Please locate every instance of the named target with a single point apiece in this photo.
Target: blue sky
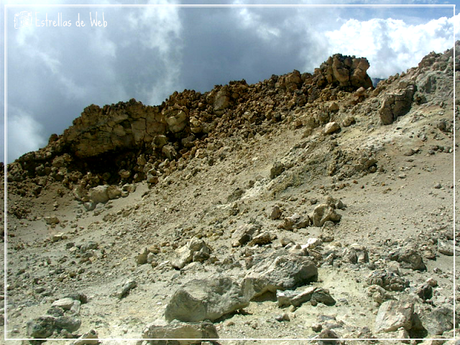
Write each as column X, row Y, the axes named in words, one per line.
column 148, row 52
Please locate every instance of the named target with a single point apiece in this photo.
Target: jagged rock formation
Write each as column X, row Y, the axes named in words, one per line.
column 127, row 141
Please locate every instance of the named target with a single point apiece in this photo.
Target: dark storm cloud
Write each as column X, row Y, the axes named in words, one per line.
column 239, row 43
column 147, row 53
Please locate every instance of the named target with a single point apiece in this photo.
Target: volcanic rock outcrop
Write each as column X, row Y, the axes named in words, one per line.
column 127, row 141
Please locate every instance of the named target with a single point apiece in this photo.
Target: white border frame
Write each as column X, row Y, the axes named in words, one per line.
column 5, row 133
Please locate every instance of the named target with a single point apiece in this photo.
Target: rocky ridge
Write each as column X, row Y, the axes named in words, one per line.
column 305, row 206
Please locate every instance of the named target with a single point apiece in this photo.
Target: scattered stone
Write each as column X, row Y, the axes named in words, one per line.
column 244, row 234
column 77, row 296
column 317, row 327
column 88, row 338
column 378, row 294
column 331, row 127
column 313, row 294
column 58, row 237
column 126, row 289
column 262, row 239
column 438, row 321
column 324, row 213
column 394, row 314
column 42, row 327
column 195, row 251
column 333, row 107
column 236, row 195
column 321, row 295
column 277, row 169
column 51, row 220
column 276, row 213
column 124, row 174
column 295, row 221
column 408, row 257
column 141, row 258
column 356, row 253
column 69, row 323
column 390, row 281
column 282, row 317
column 348, row 121
column 113, row 192
column 98, row 194
column 64, row 303
column 328, row 335
column 446, row 247
column 206, row 299
column 425, row 291
column 180, row 330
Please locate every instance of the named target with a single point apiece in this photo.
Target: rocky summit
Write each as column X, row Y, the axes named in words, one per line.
column 306, row 208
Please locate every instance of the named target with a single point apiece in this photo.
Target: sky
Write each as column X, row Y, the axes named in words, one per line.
column 148, row 51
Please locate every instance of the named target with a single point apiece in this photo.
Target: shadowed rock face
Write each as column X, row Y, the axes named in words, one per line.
column 102, row 138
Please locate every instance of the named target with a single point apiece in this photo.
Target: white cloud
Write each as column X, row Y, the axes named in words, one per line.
column 253, row 21
column 391, row 45
column 24, row 133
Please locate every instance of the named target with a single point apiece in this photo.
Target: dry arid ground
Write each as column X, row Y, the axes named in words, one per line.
column 306, row 206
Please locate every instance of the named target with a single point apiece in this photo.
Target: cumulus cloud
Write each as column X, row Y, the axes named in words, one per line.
column 391, row 45
column 24, row 133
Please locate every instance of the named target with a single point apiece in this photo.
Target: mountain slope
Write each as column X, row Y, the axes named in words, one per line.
column 236, row 187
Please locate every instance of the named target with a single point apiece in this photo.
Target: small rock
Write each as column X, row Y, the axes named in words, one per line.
column 126, row 288
column 262, row 239
column 98, row 194
column 331, row 127
column 69, row 323
column 425, row 291
column 180, row 330
column 408, row 257
column 317, row 327
column 323, row 213
column 390, row 281
column 276, row 213
column 244, row 234
column 321, row 295
column 58, row 237
column 446, row 247
column 124, row 174
column 282, row 317
column 42, row 327
column 378, row 294
column 277, row 169
column 141, row 258
column 328, row 334
column 356, row 253
column 51, row 220
column 88, row 338
column 195, row 251
column 348, row 121
column 333, row 107
column 64, row 303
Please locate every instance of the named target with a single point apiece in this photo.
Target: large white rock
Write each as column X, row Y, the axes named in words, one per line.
column 281, row 273
column 393, row 315
column 206, row 299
